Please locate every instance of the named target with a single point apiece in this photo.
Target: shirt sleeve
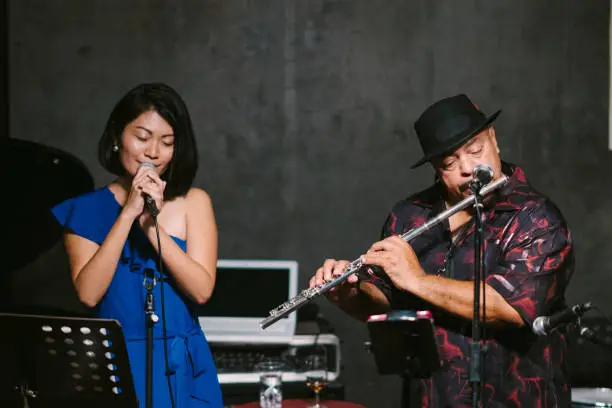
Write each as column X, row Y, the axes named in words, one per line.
column 80, row 217
column 535, row 264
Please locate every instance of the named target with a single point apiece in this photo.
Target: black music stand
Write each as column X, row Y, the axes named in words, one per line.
column 48, row 361
column 404, row 343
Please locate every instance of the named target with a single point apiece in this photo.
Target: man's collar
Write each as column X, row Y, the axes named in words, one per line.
column 516, row 192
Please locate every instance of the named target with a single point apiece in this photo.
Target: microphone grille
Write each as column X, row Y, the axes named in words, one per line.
column 483, row 172
column 483, row 167
column 538, row 326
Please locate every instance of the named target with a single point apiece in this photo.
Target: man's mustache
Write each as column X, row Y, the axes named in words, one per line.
column 465, row 186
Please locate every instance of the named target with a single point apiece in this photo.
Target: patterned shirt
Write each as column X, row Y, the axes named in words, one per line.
column 528, row 260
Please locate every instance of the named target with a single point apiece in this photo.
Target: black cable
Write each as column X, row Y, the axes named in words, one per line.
column 483, row 281
column 163, row 311
column 603, row 314
column 318, row 347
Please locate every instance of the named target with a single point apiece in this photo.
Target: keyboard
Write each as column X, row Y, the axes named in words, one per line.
column 305, row 354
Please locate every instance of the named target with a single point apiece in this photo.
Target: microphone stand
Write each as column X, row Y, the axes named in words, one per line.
column 476, row 350
column 150, row 319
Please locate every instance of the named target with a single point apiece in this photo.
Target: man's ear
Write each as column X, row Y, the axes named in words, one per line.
column 493, row 138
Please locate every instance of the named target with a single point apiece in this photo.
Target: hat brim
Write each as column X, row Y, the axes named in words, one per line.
column 459, row 140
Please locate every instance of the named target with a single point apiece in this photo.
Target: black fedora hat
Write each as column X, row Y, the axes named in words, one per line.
column 447, row 124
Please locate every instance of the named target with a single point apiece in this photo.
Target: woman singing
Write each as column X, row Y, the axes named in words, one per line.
column 112, row 244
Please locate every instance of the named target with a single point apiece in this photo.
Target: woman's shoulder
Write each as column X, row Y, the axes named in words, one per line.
column 197, row 202
column 182, row 210
column 198, row 196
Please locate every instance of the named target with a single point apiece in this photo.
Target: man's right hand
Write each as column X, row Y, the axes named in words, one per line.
column 329, row 271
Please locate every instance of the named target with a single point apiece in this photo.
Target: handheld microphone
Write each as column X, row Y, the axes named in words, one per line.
column 482, row 174
column 544, row 325
column 149, row 202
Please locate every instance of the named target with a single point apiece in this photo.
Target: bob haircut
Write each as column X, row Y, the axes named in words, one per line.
column 164, row 100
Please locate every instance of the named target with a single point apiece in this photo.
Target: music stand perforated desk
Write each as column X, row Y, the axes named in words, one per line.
column 49, row 361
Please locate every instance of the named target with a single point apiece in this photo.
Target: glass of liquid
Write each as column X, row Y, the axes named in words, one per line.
column 270, row 383
column 316, row 384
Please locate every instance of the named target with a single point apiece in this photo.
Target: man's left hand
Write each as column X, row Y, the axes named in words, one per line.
column 398, row 260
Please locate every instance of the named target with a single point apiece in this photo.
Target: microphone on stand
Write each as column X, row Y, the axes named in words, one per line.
column 149, row 307
column 482, row 174
column 150, row 205
column 149, row 202
column 544, row 325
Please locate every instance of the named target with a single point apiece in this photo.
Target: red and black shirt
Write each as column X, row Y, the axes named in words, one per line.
column 529, row 261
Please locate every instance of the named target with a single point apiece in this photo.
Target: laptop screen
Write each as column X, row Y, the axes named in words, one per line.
column 245, row 291
column 258, row 289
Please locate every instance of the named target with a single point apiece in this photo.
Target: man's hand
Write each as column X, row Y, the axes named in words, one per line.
column 398, row 260
column 330, row 270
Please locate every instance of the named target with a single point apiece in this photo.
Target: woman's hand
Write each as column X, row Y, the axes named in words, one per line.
column 153, row 186
column 134, row 204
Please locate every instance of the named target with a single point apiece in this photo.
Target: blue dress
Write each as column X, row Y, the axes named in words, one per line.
column 194, row 380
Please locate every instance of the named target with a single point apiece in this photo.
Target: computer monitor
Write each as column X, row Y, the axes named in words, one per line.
column 245, row 291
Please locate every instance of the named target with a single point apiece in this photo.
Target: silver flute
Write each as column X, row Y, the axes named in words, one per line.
column 307, row 295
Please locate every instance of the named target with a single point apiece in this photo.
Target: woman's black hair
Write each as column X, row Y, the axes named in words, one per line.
column 164, row 100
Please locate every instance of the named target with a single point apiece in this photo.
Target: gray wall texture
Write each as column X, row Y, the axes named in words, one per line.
column 304, row 112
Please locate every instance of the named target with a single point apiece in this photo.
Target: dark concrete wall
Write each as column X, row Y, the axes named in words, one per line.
column 4, row 76
column 304, row 112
